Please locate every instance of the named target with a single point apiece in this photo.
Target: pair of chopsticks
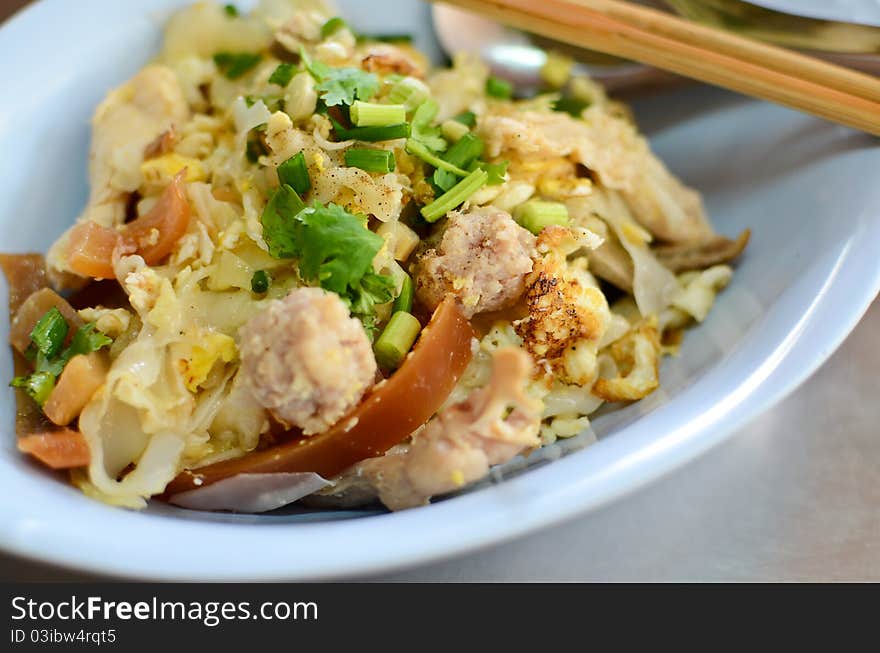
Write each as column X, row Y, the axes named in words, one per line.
column 704, row 53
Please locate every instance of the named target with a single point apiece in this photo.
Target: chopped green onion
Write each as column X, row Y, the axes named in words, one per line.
column 453, row 130
column 534, row 215
column 396, row 340
column 370, row 159
column 283, row 74
column 295, row 173
column 49, row 332
column 370, row 114
column 464, row 152
column 468, row 118
column 38, row 385
column 455, row 196
column 418, row 149
column 391, row 38
column 233, row 65
column 499, row 88
column 572, row 106
column 260, row 282
column 467, row 149
column 404, row 300
column 410, row 92
column 231, row 10
column 47, row 340
column 372, row 134
column 556, row 70
column 332, row 26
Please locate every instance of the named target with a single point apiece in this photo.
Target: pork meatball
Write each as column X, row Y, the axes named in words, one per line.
column 483, row 258
column 307, row 360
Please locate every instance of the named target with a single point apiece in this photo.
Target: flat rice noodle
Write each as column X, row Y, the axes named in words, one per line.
column 612, row 263
column 393, row 410
column 698, row 256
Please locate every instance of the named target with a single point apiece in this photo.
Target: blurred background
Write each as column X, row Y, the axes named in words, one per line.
column 795, row 496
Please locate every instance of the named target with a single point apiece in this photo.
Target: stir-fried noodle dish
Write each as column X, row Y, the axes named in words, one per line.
column 314, row 268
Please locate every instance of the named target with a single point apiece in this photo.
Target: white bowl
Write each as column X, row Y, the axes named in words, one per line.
column 803, row 186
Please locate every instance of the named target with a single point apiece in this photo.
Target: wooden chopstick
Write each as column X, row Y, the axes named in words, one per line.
column 757, row 52
column 706, row 54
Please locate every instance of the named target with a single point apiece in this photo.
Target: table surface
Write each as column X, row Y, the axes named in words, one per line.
column 794, row 496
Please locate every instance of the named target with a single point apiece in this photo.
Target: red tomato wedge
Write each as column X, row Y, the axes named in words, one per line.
column 61, row 449
column 153, row 235
column 389, row 414
column 90, row 250
column 80, row 379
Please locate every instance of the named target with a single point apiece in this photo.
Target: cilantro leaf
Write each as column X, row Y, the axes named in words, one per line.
column 235, row 64
column 335, row 251
column 336, row 248
column 422, row 131
column 38, row 385
column 53, row 366
column 497, row 172
column 372, row 290
column 347, row 85
column 283, row 74
column 86, row 340
column 279, row 226
column 340, row 85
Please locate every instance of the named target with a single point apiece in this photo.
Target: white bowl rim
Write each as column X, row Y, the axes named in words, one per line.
column 473, row 520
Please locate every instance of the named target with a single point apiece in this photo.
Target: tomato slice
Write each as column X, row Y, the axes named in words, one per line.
column 155, row 233
column 90, row 250
column 80, row 379
column 61, row 449
column 393, row 410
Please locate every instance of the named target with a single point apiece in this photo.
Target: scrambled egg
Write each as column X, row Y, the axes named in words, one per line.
column 211, row 348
